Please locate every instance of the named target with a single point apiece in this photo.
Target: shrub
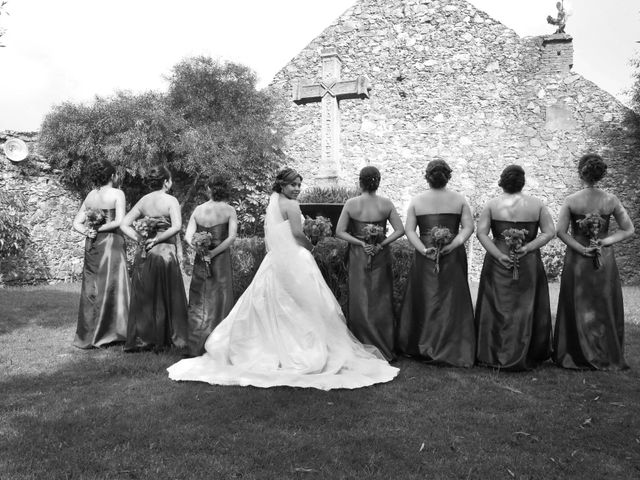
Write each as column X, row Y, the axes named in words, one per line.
column 334, row 194
column 14, row 233
column 553, row 258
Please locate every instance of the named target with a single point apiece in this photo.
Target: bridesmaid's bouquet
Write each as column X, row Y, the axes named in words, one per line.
column 94, row 219
column 440, row 236
column 372, row 234
column 148, row 227
column 591, row 225
column 316, row 229
column 514, row 238
column 202, row 241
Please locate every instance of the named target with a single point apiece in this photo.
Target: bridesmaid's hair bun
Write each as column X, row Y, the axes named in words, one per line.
column 438, row 173
column 156, row 177
column 100, row 172
column 369, row 179
column 284, row 178
column 512, row 179
column 219, row 188
column 591, row 167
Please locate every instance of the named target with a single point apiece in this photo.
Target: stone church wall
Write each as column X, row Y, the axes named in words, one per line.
column 54, row 252
column 449, row 81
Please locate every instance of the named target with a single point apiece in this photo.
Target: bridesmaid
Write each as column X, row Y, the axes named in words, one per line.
column 436, row 319
column 211, row 290
column 371, row 318
column 513, row 317
column 589, row 330
column 158, row 310
column 104, row 298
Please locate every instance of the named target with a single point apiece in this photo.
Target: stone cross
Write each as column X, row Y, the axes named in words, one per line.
column 329, row 91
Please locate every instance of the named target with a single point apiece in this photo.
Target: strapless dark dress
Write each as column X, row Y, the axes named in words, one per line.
column 513, row 317
column 158, row 310
column 371, row 318
column 589, row 330
column 211, row 291
column 436, row 319
column 104, row 298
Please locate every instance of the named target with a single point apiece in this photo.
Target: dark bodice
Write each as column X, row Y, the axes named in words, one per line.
column 218, row 233
column 356, row 228
column 581, row 235
column 109, row 213
column 427, row 222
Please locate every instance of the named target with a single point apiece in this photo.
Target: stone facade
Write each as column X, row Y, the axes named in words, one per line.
column 54, row 252
column 449, row 81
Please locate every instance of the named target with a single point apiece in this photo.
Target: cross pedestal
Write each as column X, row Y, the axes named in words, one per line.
column 329, row 91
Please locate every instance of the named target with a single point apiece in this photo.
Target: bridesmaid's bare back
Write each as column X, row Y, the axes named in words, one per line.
column 211, row 214
column 157, row 204
column 369, row 208
column 515, row 208
column 438, row 201
column 104, row 198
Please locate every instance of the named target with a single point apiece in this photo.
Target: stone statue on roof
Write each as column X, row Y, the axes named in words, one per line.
column 561, row 20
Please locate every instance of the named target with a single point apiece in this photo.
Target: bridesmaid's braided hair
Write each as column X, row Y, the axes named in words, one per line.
column 512, row 179
column 437, row 173
column 156, row 177
column 369, row 179
column 285, row 177
column 591, row 167
column 100, row 172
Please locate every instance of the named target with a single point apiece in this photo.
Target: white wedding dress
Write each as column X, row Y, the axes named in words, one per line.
column 286, row 329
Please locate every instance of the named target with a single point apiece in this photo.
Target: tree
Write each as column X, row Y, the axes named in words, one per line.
column 211, row 121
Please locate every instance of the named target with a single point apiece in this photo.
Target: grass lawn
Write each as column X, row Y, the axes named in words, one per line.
column 102, row 414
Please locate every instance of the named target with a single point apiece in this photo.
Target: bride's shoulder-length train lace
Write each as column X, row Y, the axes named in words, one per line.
column 286, row 329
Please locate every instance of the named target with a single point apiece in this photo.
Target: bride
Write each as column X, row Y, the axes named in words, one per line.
column 287, row 328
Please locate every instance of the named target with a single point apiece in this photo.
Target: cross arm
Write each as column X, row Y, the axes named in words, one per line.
column 305, row 92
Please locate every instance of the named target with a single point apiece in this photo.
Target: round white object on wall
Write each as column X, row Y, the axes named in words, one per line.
column 15, row 149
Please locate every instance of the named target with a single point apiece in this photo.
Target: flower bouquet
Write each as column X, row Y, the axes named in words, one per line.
column 94, row 219
column 514, row 239
column 202, row 241
column 317, row 228
column 372, row 234
column 591, row 225
column 441, row 236
column 148, row 227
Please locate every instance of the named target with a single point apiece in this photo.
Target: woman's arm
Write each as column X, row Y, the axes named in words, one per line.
column 410, row 230
column 129, row 218
column 78, row 223
column 176, row 224
column 191, row 229
column 343, row 224
column 120, row 211
column 625, row 226
column 482, row 233
column 547, row 232
column 562, row 230
column 233, row 232
column 294, row 214
column 398, row 229
column 466, row 222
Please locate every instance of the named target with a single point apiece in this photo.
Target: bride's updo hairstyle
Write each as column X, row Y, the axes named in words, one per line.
column 591, row 168
column 512, row 179
column 100, row 173
column 219, row 188
column 369, row 179
column 284, row 178
column 438, row 173
column 156, row 177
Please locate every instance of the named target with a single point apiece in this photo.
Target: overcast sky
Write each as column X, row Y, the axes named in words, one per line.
column 59, row 50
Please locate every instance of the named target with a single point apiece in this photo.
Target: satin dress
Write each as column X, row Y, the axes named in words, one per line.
column 287, row 328
column 210, row 292
column 589, row 330
column 158, row 310
column 104, row 298
column 436, row 319
column 371, row 318
column 513, row 317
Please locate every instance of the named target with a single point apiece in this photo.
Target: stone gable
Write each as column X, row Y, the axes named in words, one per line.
column 449, row 81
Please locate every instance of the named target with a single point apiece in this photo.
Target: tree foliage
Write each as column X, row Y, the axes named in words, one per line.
column 14, row 234
column 211, row 121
